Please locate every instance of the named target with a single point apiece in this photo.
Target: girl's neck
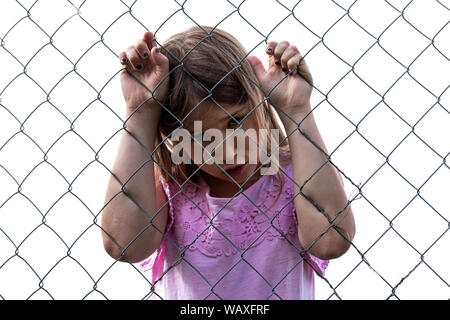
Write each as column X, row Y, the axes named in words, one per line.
column 219, row 188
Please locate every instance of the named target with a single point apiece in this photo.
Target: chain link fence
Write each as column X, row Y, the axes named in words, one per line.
column 380, row 97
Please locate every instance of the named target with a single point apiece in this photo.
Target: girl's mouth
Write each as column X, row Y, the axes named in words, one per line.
column 237, row 170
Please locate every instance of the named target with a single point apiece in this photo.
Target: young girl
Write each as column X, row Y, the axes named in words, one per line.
column 215, row 230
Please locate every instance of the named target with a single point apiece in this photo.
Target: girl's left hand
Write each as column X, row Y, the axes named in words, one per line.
column 292, row 92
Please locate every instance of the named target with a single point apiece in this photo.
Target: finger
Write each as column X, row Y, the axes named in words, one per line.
column 303, row 70
column 294, row 61
column 123, row 58
column 270, row 48
column 279, row 49
column 288, row 54
column 134, row 58
column 142, row 49
column 257, row 67
column 161, row 62
column 149, row 40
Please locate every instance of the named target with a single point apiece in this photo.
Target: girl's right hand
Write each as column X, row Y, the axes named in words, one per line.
column 144, row 62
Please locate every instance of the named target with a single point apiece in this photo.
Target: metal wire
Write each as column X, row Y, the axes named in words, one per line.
column 347, row 13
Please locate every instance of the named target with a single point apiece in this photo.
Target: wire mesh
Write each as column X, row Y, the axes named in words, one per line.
column 380, row 67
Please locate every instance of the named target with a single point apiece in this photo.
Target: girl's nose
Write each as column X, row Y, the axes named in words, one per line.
column 235, row 150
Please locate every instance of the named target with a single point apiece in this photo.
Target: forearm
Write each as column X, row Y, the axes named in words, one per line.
column 130, row 201
column 321, row 183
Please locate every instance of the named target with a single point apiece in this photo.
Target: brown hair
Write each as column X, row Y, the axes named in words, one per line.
column 207, row 54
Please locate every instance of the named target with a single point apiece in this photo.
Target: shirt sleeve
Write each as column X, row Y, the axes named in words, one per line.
column 155, row 262
column 171, row 192
column 318, row 265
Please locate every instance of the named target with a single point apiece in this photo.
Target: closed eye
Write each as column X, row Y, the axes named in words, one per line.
column 233, row 123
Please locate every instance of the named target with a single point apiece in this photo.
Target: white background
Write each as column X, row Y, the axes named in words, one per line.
column 72, row 118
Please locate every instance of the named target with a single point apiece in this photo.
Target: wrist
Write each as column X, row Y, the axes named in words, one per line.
column 141, row 106
column 144, row 131
column 142, row 120
column 293, row 116
column 145, row 112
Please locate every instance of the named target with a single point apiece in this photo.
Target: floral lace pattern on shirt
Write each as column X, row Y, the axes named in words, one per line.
column 226, row 232
column 239, row 225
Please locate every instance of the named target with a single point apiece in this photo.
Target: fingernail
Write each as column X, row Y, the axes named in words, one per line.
column 278, row 63
column 157, row 50
column 145, row 54
column 269, row 50
column 124, row 60
column 139, row 67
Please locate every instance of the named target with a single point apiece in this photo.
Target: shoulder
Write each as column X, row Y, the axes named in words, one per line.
column 181, row 193
column 285, row 168
column 285, row 161
column 173, row 185
column 285, row 157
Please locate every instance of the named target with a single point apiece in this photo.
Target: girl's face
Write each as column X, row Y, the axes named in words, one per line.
column 232, row 155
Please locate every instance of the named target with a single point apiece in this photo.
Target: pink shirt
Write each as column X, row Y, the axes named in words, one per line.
column 238, row 254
